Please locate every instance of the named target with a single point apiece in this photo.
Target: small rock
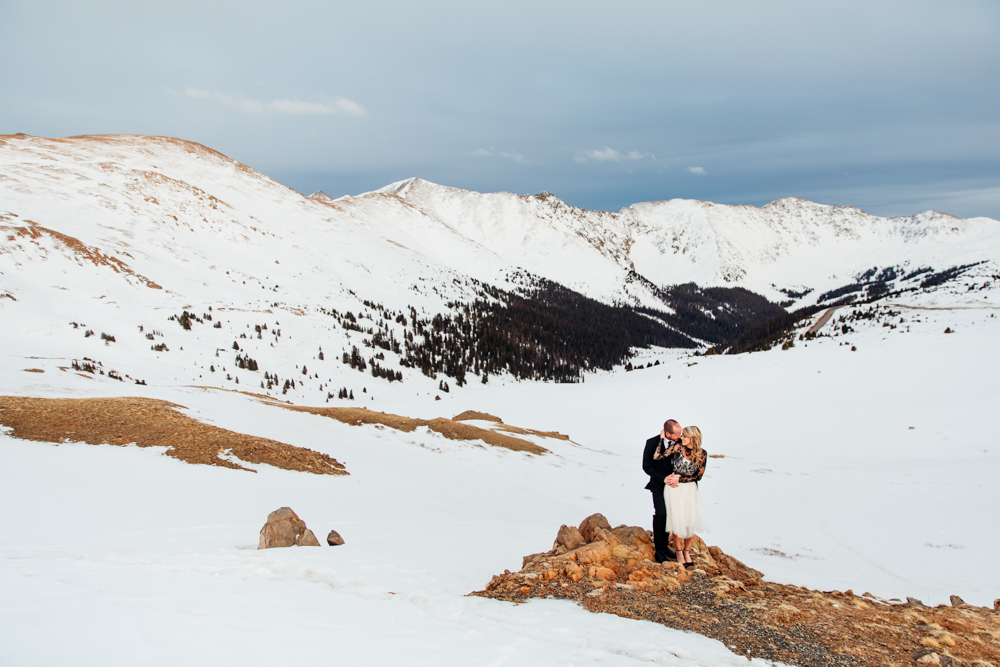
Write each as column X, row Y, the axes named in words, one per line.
column 913, row 602
column 956, row 601
column 569, row 537
column 605, row 573
column 996, row 605
column 929, row 659
column 307, row 539
column 334, row 539
column 574, row 571
column 590, row 525
column 948, row 330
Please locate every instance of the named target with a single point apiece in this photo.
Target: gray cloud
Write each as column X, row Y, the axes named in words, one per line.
column 611, row 155
column 510, row 155
column 872, row 104
column 339, row 105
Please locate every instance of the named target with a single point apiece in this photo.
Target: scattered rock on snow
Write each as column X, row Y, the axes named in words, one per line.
column 307, row 539
column 284, row 528
column 334, row 539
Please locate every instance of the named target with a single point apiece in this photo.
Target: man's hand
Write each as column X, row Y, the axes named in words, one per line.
column 672, row 480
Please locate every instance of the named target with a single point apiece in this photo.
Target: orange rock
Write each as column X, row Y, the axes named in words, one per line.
column 592, row 553
column 606, row 536
column 568, row 537
column 605, row 573
column 591, row 524
column 524, row 590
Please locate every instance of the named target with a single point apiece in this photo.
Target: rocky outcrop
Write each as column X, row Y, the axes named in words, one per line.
column 284, row 528
column 722, row 598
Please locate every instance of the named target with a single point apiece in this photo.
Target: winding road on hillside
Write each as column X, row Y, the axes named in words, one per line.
column 823, row 319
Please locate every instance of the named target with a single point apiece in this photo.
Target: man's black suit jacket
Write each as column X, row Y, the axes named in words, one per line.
column 657, row 470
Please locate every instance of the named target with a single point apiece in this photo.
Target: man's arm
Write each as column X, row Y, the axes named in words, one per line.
column 648, row 462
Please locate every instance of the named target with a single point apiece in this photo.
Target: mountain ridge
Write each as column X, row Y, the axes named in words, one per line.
column 452, row 280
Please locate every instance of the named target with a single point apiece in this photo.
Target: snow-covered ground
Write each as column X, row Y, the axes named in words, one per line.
column 871, row 470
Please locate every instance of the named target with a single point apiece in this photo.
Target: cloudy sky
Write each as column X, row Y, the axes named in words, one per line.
column 890, row 106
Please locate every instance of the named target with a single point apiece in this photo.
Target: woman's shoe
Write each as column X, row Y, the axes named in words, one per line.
column 687, row 558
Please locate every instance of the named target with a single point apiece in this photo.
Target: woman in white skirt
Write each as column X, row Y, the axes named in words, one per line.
column 685, row 512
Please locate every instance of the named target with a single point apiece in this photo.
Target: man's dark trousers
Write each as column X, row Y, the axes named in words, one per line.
column 657, row 471
column 661, row 540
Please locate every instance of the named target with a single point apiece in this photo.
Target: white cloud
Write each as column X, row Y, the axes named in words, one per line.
column 510, row 155
column 340, row 105
column 611, row 155
column 700, row 171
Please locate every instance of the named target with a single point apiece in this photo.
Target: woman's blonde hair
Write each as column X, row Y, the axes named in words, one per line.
column 694, row 433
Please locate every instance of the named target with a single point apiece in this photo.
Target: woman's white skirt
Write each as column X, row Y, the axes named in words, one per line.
column 685, row 513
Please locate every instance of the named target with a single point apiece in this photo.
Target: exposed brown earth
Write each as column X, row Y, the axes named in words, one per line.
column 484, row 416
column 470, row 415
column 449, row 428
column 81, row 251
column 152, row 423
column 722, row 598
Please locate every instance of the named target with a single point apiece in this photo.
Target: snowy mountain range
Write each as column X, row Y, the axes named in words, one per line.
column 142, row 229
column 179, row 214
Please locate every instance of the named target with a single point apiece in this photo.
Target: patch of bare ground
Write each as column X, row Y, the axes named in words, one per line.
column 152, row 423
column 34, row 232
column 722, row 598
column 449, row 428
column 469, row 415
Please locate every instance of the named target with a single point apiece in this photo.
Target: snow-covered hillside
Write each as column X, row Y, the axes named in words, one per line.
column 862, row 460
column 121, row 235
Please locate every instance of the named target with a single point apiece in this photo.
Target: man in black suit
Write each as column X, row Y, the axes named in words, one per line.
column 659, row 470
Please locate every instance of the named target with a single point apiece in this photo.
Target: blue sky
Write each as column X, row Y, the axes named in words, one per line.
column 893, row 107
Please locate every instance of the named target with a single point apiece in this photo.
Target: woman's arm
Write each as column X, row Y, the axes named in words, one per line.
column 671, row 450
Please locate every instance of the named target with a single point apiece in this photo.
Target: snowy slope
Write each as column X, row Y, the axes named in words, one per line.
column 130, row 557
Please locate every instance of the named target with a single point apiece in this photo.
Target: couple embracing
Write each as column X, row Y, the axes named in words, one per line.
column 675, row 463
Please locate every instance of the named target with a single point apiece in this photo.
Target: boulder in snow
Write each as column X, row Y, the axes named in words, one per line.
column 284, row 528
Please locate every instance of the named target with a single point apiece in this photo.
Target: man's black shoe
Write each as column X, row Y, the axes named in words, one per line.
column 670, row 555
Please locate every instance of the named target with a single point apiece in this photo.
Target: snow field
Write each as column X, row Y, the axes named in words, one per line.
column 134, row 558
